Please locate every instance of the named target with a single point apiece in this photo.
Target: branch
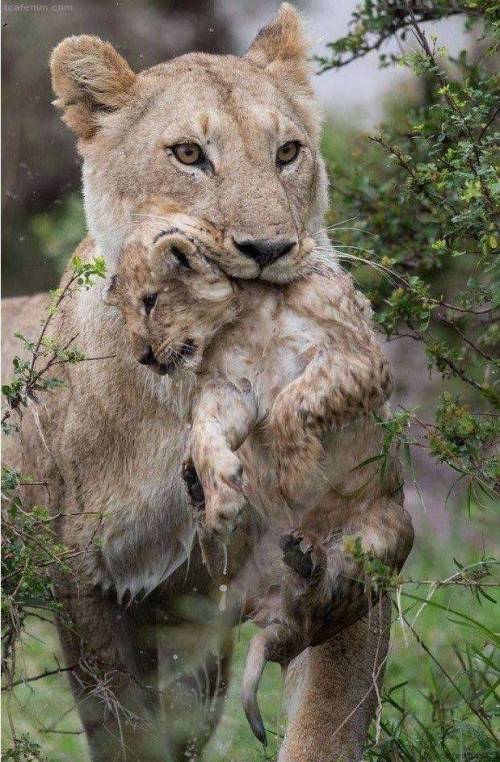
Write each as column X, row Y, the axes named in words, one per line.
column 399, row 23
column 488, row 123
column 422, row 39
column 465, row 338
column 48, row 319
column 47, row 673
column 470, row 311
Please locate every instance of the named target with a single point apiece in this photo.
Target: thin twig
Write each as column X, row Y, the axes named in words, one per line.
column 47, row 673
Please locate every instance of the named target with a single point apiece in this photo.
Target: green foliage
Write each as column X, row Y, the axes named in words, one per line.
column 374, row 22
column 41, row 356
column 25, row 750
column 414, row 215
column 30, row 551
column 425, row 201
column 376, row 575
column 461, row 438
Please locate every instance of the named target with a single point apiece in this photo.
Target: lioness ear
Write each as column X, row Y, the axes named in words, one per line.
column 281, row 48
column 88, row 77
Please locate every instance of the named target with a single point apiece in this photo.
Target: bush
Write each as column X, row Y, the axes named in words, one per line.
column 424, row 247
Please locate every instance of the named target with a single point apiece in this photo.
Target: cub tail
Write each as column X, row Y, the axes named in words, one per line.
column 274, row 643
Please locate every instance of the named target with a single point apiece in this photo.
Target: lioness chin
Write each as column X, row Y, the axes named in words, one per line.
column 234, row 141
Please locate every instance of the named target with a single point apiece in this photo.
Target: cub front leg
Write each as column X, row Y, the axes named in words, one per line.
column 332, row 391
column 224, row 415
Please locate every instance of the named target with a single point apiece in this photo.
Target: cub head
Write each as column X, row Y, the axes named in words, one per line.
column 232, row 140
column 172, row 297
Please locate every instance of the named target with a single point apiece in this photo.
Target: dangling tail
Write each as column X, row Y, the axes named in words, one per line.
column 274, row 643
column 254, row 667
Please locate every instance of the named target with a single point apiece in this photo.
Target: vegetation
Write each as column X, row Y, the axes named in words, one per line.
column 30, row 550
column 425, row 201
column 414, row 215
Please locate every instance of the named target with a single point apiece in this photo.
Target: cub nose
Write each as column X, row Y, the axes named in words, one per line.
column 264, row 251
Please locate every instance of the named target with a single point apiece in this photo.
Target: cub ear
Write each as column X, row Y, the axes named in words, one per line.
column 281, row 48
column 88, row 77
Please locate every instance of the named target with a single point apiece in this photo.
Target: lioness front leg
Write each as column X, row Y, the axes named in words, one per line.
column 223, row 416
column 332, row 391
column 332, row 692
column 111, row 652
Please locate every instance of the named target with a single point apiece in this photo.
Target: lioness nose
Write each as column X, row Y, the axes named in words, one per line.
column 264, row 250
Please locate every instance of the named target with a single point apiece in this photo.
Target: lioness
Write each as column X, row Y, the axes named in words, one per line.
column 234, row 141
column 286, row 379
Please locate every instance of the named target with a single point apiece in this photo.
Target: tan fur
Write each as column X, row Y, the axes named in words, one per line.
column 303, row 363
column 115, row 436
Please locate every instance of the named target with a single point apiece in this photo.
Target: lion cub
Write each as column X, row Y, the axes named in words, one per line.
column 285, row 384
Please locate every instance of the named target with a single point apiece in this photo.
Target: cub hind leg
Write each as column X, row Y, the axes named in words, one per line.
column 325, row 587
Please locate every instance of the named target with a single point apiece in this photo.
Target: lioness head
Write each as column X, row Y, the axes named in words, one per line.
column 231, row 140
column 172, row 296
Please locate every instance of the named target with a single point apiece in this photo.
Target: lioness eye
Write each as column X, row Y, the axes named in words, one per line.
column 287, row 152
column 188, row 153
column 149, row 302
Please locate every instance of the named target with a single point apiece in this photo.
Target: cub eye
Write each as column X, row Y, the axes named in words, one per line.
column 149, row 302
column 287, row 152
column 188, row 153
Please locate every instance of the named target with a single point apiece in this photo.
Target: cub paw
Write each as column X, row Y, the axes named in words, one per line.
column 217, row 492
column 225, row 500
column 303, row 554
